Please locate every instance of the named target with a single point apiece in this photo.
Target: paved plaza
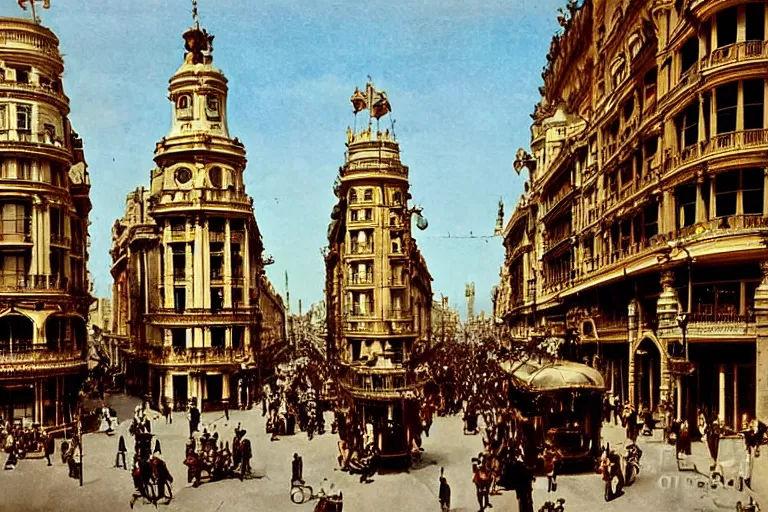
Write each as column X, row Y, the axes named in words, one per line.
column 33, row 486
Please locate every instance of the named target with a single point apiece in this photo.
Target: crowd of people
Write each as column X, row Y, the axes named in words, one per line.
column 18, row 441
column 214, row 457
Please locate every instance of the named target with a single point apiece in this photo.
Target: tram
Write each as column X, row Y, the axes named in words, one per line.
column 559, row 402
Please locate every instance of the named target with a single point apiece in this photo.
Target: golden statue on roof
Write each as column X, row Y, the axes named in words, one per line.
column 375, row 101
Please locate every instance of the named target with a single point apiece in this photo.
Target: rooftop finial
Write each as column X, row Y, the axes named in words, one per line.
column 194, row 14
column 35, row 18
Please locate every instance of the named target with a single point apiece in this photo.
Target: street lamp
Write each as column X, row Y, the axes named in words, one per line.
column 683, row 318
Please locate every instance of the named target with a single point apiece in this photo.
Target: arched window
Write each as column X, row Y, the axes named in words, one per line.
column 183, row 107
column 368, row 194
column 215, row 175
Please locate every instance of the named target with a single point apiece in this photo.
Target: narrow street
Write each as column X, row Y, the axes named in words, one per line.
column 109, row 488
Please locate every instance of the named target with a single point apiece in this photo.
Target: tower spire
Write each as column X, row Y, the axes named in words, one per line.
column 194, row 14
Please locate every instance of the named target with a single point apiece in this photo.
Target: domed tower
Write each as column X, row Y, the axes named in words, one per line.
column 44, row 208
column 378, row 286
column 211, row 310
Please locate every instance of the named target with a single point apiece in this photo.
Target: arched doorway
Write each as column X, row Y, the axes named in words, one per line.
column 648, row 374
column 16, row 333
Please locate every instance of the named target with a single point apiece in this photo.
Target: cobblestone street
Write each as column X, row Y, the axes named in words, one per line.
column 108, row 488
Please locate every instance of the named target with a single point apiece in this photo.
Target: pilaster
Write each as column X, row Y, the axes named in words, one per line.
column 761, row 346
column 198, row 267
column 227, row 266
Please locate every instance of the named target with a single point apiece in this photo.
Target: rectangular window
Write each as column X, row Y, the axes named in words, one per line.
column 651, row 220
column 726, row 189
column 24, row 117
column 3, row 117
column 353, row 215
column 726, row 27
column 725, row 104
column 212, row 108
column 368, row 214
column 755, row 30
column 752, row 184
column 686, row 205
column 180, row 300
column 689, row 54
column 691, row 124
column 179, row 338
column 754, row 99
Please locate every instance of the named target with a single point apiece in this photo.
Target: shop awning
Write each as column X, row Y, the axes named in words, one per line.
column 554, row 375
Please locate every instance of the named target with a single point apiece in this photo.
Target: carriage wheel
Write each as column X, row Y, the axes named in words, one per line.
column 168, row 491
column 151, row 491
column 300, row 494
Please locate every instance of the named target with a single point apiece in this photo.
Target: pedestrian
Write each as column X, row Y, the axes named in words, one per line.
column 245, row 454
column 445, row 493
column 49, row 446
column 10, row 449
column 194, row 419
column 226, row 411
column 157, row 447
column 121, row 451
column 297, row 470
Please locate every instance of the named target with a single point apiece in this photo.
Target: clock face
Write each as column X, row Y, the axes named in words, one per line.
column 183, row 175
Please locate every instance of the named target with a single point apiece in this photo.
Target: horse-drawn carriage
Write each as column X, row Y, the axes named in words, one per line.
column 213, row 463
column 301, row 494
column 150, row 473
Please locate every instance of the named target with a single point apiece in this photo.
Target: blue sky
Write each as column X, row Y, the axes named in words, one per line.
column 461, row 75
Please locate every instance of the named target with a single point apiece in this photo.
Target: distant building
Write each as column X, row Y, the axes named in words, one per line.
column 44, row 208
column 642, row 232
column 446, row 321
column 190, row 294
column 378, row 287
column 100, row 314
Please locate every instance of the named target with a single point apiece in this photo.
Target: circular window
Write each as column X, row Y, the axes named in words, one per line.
column 183, row 175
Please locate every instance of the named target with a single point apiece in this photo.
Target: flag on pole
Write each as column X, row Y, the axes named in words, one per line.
column 23, row 4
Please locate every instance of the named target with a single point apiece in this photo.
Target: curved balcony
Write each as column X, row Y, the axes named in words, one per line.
column 34, row 90
column 29, row 144
column 11, row 238
column 378, row 383
column 201, row 199
column 731, row 56
column 685, row 85
column 197, row 356
column 717, row 325
column 718, row 145
column 374, row 166
column 360, row 281
column 199, row 317
column 27, row 358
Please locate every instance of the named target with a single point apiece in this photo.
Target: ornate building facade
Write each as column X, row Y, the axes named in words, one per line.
column 642, row 231
column 191, row 298
column 378, row 287
column 44, row 208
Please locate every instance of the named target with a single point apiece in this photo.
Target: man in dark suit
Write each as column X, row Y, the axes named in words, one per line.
column 297, row 470
column 445, row 493
column 194, row 419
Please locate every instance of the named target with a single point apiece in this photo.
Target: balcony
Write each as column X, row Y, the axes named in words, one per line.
column 361, row 313
column 361, row 249
column 745, row 51
column 375, row 165
column 197, row 356
column 195, row 317
column 400, row 314
column 361, row 279
column 361, row 219
column 20, row 282
column 396, row 282
column 688, row 80
column 715, row 324
column 60, row 240
column 34, row 88
column 181, row 235
column 224, row 200
column 27, row 358
column 15, row 238
column 381, row 383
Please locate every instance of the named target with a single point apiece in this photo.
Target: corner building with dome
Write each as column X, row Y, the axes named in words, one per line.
column 196, row 316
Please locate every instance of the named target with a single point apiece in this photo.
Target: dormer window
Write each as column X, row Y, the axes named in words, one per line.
column 212, row 108
column 183, row 107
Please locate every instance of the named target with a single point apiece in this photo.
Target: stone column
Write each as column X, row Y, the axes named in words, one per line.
column 765, row 183
column 667, row 308
column 168, row 277
column 701, row 213
column 225, row 387
column 44, row 260
column 679, row 397
column 761, row 346
column 735, row 396
column 632, row 345
column 198, row 267
column 667, row 221
column 37, row 238
column 740, row 108
column 227, row 265
column 168, row 388
column 206, row 263
column 721, row 394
